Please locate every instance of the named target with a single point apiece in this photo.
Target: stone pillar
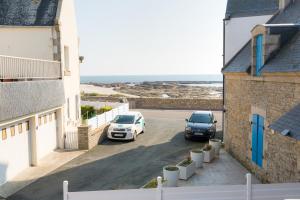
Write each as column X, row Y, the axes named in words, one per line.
column 33, row 124
column 60, row 128
column 83, row 137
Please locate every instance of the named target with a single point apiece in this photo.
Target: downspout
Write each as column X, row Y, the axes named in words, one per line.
column 224, row 63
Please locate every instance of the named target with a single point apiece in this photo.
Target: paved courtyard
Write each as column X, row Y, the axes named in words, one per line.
column 123, row 165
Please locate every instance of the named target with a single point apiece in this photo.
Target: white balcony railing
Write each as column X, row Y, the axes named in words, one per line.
column 28, row 68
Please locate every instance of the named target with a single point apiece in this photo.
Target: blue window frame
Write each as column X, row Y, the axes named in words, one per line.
column 259, row 54
column 257, row 139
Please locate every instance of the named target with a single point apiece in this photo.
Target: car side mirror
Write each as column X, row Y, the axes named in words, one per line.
column 186, row 120
column 137, row 122
column 215, row 121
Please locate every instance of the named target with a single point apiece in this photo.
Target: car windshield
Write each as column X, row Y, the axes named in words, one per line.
column 201, row 118
column 124, row 119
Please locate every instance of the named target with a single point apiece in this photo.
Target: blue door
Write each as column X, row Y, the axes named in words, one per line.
column 257, row 139
column 259, row 54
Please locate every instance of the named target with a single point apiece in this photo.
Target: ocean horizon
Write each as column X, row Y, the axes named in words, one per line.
column 150, row 78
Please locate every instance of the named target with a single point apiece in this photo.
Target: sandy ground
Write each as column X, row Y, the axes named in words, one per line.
column 102, row 90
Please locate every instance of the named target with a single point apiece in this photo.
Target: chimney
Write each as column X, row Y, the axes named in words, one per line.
column 283, row 4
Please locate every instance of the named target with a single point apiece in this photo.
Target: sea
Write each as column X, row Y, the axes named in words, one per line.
column 211, row 78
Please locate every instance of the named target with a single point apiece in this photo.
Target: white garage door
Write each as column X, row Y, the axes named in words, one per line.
column 14, row 150
column 46, row 135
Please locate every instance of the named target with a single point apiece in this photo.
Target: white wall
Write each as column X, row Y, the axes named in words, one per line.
column 69, row 38
column 30, row 42
column 14, row 152
column 238, row 33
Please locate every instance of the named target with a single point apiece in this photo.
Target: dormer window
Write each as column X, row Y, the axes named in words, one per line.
column 259, row 54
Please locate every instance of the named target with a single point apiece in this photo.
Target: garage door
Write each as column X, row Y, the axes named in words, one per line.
column 15, row 150
column 46, row 135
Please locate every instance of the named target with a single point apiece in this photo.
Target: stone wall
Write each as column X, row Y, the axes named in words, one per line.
column 88, row 138
column 168, row 103
column 270, row 98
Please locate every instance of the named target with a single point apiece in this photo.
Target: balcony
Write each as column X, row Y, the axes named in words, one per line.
column 14, row 68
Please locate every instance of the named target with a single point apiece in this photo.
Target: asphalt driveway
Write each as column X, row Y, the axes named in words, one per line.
column 120, row 165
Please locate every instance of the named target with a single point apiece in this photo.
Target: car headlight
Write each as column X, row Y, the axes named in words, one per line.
column 128, row 129
column 211, row 129
column 188, row 128
column 110, row 128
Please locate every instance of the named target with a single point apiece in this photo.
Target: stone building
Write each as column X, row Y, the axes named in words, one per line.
column 262, row 90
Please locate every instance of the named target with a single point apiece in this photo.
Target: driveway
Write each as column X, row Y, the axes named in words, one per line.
column 120, row 165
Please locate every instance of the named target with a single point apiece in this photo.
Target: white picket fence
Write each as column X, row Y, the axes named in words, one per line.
column 224, row 192
column 107, row 117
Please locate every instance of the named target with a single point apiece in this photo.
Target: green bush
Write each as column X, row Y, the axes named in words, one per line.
column 88, row 112
column 104, row 109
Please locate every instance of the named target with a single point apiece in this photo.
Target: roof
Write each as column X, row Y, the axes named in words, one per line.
column 245, row 8
column 289, row 122
column 282, row 60
column 28, row 12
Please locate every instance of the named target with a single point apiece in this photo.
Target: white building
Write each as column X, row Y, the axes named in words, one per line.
column 39, row 80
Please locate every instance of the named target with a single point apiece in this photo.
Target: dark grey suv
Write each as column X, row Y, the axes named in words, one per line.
column 201, row 125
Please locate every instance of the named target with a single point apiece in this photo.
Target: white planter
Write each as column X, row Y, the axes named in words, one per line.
column 208, row 155
column 216, row 144
column 186, row 172
column 171, row 176
column 197, row 157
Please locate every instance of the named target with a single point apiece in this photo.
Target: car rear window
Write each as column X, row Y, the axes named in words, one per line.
column 124, row 119
column 201, row 118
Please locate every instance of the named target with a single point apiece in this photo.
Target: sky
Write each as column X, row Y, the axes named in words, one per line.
column 150, row 37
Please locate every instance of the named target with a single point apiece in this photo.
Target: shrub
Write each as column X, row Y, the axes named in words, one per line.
column 88, row 112
column 152, row 184
column 172, row 168
column 186, row 162
column 104, row 109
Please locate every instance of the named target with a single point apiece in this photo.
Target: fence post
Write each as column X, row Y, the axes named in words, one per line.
column 159, row 189
column 65, row 190
column 249, row 187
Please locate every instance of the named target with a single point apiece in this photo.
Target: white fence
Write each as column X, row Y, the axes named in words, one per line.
column 28, row 68
column 224, row 192
column 71, row 139
column 107, row 117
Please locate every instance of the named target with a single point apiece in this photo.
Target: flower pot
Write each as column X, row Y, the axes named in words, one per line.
column 208, row 155
column 216, row 144
column 186, row 171
column 171, row 175
column 197, row 157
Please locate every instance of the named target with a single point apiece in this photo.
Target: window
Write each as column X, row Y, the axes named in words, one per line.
column 55, row 117
column 20, row 128
column 45, row 119
column 67, row 58
column 259, row 54
column 12, row 131
column 40, row 121
column 77, row 106
column 68, row 108
column 4, row 135
column 27, row 126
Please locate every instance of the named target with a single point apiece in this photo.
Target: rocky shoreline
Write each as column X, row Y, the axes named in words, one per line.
column 158, row 89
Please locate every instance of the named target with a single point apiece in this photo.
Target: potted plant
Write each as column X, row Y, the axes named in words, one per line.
column 197, row 157
column 152, row 184
column 216, row 144
column 208, row 153
column 171, row 175
column 187, row 168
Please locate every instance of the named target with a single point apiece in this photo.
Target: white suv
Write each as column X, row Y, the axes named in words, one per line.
column 126, row 126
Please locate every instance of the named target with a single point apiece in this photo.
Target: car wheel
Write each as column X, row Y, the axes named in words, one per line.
column 134, row 136
column 144, row 129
